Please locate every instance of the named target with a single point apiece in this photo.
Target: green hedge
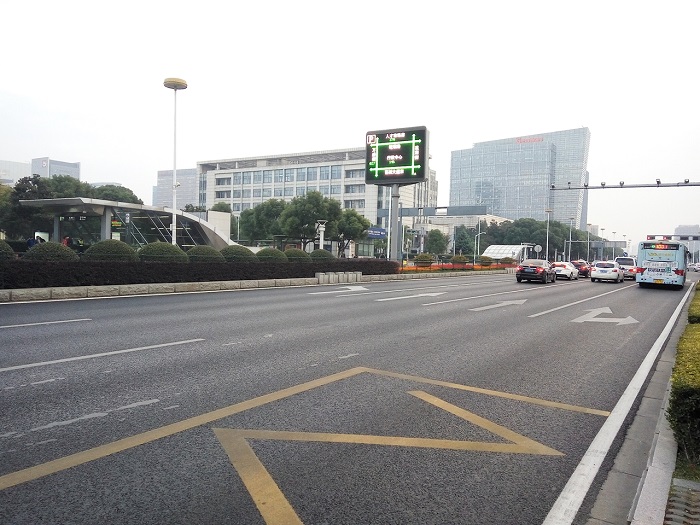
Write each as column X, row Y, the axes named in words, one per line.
column 694, row 309
column 684, row 402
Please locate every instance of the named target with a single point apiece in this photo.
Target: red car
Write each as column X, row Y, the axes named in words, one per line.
column 583, row 269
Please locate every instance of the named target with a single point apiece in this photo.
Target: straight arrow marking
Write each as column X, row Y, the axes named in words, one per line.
column 497, row 305
column 431, row 294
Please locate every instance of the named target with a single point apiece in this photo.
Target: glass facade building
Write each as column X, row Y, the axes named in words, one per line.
column 513, row 177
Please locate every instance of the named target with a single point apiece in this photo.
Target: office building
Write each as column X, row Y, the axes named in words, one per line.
column 11, row 172
column 187, row 191
column 338, row 174
column 46, row 167
column 514, row 177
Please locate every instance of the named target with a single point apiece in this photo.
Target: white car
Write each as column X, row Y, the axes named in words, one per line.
column 607, row 271
column 565, row 270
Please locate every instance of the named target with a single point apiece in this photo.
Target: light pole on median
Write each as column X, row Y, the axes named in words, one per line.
column 571, row 226
column 588, row 243
column 613, row 247
column 475, row 250
column 546, row 249
column 174, row 84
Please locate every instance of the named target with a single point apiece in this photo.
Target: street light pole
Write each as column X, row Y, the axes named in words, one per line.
column 174, row 84
column 602, row 250
column 613, row 247
column 475, row 250
column 546, row 248
column 571, row 226
column 588, row 242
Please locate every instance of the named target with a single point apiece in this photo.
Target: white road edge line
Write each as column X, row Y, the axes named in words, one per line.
column 92, row 356
column 569, row 501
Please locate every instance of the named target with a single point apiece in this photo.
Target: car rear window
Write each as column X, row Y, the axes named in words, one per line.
column 625, row 260
column 605, row 265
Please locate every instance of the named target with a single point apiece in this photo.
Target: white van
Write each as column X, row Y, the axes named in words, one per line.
column 628, row 266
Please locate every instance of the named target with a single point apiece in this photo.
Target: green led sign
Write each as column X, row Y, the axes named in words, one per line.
column 397, row 156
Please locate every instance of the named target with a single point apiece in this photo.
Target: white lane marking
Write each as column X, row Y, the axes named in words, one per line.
column 69, row 421
column 92, row 356
column 345, row 289
column 429, row 294
column 569, row 501
column 592, row 317
column 348, row 356
column 579, row 302
column 413, row 289
column 488, row 295
column 44, row 323
column 46, row 381
column 499, row 304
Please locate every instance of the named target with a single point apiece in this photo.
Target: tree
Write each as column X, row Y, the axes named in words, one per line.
column 21, row 221
column 262, row 222
column 66, row 187
column 191, row 208
column 351, row 227
column 298, row 220
column 436, row 242
column 110, row 192
column 464, row 240
column 221, row 206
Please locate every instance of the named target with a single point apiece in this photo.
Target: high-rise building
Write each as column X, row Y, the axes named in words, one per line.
column 46, row 167
column 186, row 193
column 514, row 177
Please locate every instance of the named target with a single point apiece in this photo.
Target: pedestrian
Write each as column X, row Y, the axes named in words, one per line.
column 66, row 241
column 31, row 242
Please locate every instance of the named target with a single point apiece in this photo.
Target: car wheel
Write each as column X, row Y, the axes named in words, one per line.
column 592, row 280
column 519, row 279
column 571, row 276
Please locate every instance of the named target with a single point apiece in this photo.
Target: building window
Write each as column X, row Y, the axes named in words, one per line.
column 355, row 204
column 236, row 178
column 278, row 192
column 236, row 194
column 266, row 193
column 223, row 182
column 246, row 194
column 257, row 177
column 222, row 195
column 301, row 174
column 355, row 174
column 289, row 191
column 257, row 192
column 325, row 173
column 289, row 175
column 236, row 206
column 335, row 189
column 267, row 176
column 279, row 176
column 336, row 172
column 301, row 191
column 247, row 177
column 245, row 206
column 355, row 188
column 324, row 190
column 311, row 173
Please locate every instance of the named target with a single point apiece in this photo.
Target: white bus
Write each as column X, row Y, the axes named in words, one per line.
column 662, row 263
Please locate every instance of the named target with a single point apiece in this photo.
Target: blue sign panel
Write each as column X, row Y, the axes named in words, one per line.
column 376, row 233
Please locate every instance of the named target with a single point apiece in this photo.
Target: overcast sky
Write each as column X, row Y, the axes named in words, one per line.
column 83, row 82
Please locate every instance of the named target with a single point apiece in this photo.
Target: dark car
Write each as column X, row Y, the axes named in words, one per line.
column 583, row 268
column 535, row 270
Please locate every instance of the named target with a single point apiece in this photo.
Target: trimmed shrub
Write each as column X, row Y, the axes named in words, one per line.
column 485, row 260
column 271, row 254
column 162, row 252
column 459, row 259
column 322, row 255
column 297, row 255
column 6, row 251
column 684, row 402
column 238, row 253
column 110, row 250
column 694, row 309
column 204, row 254
column 49, row 251
column 424, row 257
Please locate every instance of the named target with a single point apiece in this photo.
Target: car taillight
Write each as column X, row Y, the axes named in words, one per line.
column 519, row 269
column 639, row 270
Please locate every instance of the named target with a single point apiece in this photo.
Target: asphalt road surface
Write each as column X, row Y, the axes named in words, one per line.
column 438, row 401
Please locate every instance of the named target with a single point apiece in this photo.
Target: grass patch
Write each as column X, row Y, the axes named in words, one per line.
column 685, row 469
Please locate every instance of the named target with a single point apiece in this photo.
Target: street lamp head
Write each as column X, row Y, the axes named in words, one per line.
column 175, row 83
column 602, row 184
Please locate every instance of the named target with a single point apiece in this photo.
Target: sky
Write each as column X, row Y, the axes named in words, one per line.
column 83, row 82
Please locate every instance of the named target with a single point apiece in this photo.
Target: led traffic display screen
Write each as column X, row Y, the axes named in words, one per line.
column 659, row 246
column 397, row 156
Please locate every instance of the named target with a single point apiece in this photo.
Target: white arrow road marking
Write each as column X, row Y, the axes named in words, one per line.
column 497, row 305
column 592, row 316
column 344, row 289
column 433, row 294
